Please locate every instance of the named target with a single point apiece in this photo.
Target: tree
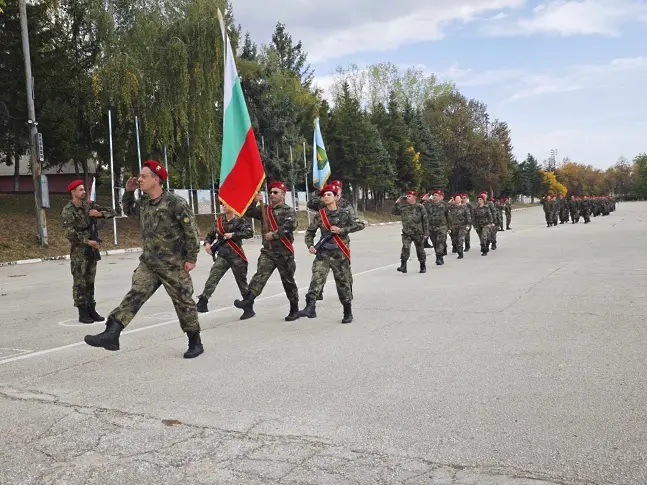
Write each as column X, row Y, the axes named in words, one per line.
column 551, row 185
column 640, row 185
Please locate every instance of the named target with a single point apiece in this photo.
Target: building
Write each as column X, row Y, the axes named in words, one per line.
column 57, row 178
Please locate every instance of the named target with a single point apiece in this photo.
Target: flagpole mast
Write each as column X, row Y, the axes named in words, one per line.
column 168, row 183
column 305, row 175
column 294, row 190
column 112, row 176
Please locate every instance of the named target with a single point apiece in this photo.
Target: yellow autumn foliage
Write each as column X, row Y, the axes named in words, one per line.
column 552, row 186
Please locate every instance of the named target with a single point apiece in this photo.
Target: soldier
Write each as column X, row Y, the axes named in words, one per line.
column 554, row 209
column 562, row 205
column 332, row 252
column 459, row 219
column 415, row 229
column 574, row 210
column 492, row 233
column 438, row 217
column 315, row 203
column 585, row 209
column 507, row 208
column 277, row 252
column 545, row 202
column 84, row 251
column 483, row 222
column 499, row 207
column 469, row 228
column 171, row 243
column 227, row 235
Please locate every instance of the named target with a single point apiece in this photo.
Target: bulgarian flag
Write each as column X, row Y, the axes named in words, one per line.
column 241, row 169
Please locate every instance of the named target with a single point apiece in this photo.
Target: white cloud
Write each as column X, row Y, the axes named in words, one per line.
column 572, row 17
column 336, row 28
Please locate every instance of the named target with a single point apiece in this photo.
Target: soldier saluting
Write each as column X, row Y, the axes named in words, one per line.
column 415, row 229
column 171, row 243
column 84, row 251
column 280, row 221
column 226, row 239
column 332, row 252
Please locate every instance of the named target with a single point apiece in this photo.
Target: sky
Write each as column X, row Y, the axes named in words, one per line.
column 566, row 75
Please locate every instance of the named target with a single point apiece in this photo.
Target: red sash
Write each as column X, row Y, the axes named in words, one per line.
column 275, row 227
column 337, row 239
column 237, row 249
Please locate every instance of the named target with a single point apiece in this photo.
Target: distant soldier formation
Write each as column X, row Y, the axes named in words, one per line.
column 562, row 209
column 171, row 240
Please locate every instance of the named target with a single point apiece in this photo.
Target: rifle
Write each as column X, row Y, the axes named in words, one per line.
column 216, row 247
column 94, row 236
column 323, row 241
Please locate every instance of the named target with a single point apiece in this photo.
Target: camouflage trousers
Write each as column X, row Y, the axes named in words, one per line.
column 484, row 234
column 575, row 215
column 282, row 260
column 438, row 236
column 418, row 242
column 467, row 234
column 458, row 236
column 554, row 215
column 492, row 232
column 84, row 271
column 508, row 219
column 334, row 259
column 146, row 280
column 563, row 215
column 222, row 264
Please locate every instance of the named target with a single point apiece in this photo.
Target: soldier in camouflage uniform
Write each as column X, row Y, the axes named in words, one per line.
column 459, row 219
column 573, row 208
column 585, row 209
column 483, row 222
column 171, row 243
column 228, row 232
column 562, row 207
column 415, row 229
column 333, row 254
column 438, row 217
column 492, row 233
column 545, row 203
column 498, row 205
column 277, row 252
column 554, row 209
column 469, row 228
column 84, row 251
column 507, row 208
column 315, row 203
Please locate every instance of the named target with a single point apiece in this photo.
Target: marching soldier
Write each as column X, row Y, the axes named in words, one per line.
column 483, row 222
column 468, row 231
column 562, row 207
column 315, row 203
column 277, row 252
column 226, row 238
column 585, row 209
column 459, row 219
column 84, row 251
column 171, row 243
column 507, row 207
column 492, row 233
column 438, row 217
column 331, row 253
column 573, row 208
column 415, row 229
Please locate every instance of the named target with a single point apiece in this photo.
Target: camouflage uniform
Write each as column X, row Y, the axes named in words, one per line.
column 562, row 205
column 468, row 230
column 415, row 228
column 315, row 203
column 492, row 233
column 226, row 256
column 507, row 208
column 330, row 257
column 83, row 260
column 170, row 237
column 459, row 218
column 585, row 209
column 482, row 220
column 499, row 208
column 438, row 216
column 573, row 208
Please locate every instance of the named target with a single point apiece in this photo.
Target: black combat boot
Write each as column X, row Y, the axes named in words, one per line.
column 202, row 305
column 92, row 313
column 483, row 250
column 403, row 266
column 423, row 267
column 439, row 259
column 508, row 228
column 246, row 304
column 109, row 338
column 294, row 311
column 310, row 310
column 494, row 246
column 195, row 345
column 348, row 313
column 454, row 250
column 84, row 316
column 460, row 254
column 467, row 246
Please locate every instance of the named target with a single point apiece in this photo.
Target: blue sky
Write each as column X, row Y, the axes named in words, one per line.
column 569, row 75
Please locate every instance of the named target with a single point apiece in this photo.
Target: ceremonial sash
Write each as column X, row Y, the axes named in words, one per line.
column 275, row 227
column 336, row 238
column 237, row 249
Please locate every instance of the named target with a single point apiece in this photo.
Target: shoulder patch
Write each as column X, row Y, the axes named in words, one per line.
column 186, row 220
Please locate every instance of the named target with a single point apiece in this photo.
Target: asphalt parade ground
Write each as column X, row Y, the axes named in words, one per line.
column 525, row 367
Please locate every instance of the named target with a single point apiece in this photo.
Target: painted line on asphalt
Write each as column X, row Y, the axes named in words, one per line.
column 161, row 324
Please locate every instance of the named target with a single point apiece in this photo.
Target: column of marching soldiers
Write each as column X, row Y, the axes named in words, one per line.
column 171, row 244
column 572, row 209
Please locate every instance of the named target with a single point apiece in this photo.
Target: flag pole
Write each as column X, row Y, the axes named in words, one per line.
column 168, row 182
column 112, row 176
column 294, row 190
column 305, row 175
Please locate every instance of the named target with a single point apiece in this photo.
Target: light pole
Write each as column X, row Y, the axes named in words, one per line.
column 41, row 220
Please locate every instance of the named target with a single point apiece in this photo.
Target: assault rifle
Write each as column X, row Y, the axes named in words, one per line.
column 323, row 241
column 94, row 236
column 216, row 247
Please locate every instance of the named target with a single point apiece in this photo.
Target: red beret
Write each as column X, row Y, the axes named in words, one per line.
column 483, row 194
column 157, row 169
column 505, row 198
column 328, row 188
column 436, row 192
column 336, row 183
column 278, row 185
column 74, row 185
column 412, row 192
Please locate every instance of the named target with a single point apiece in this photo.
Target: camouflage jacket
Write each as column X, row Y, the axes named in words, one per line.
column 76, row 221
column 414, row 219
column 507, row 208
column 482, row 216
column 459, row 216
column 286, row 220
column 170, row 233
column 315, row 203
column 493, row 210
column 438, row 214
column 573, row 204
column 341, row 218
column 238, row 226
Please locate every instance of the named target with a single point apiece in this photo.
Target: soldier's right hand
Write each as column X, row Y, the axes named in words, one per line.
column 93, row 244
column 132, row 184
column 312, row 250
column 207, row 248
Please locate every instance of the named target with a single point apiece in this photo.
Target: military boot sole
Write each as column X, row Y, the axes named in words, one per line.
column 98, row 344
column 192, row 354
column 247, row 314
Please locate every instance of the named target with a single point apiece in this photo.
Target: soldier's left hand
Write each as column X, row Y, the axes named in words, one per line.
column 95, row 213
column 269, row 236
column 335, row 229
column 229, row 235
column 188, row 266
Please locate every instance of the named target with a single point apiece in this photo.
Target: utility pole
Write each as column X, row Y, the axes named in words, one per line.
column 41, row 219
